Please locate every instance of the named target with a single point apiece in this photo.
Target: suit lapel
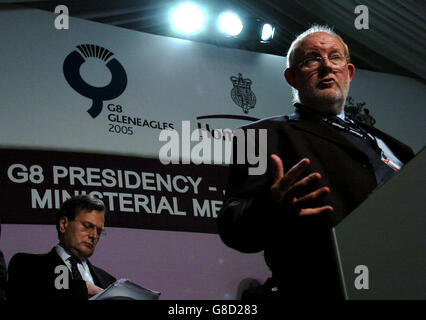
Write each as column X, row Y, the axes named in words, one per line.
column 322, row 130
column 54, row 258
column 402, row 151
column 95, row 275
column 319, row 128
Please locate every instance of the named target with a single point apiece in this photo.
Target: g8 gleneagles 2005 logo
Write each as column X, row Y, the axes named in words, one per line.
column 115, row 88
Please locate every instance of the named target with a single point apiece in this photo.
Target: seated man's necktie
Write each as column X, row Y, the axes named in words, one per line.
column 76, row 275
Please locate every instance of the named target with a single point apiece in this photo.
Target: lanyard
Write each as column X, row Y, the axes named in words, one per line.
column 361, row 133
column 351, row 127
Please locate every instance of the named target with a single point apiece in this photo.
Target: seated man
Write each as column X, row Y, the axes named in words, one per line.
column 79, row 223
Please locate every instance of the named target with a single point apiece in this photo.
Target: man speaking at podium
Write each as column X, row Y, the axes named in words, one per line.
column 322, row 164
column 65, row 272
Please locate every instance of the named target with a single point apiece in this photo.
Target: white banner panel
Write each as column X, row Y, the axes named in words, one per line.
column 167, row 81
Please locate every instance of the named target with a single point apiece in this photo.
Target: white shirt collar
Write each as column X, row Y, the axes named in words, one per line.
column 84, row 267
column 341, row 115
column 62, row 253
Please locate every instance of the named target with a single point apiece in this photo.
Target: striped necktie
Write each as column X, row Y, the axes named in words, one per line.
column 76, row 275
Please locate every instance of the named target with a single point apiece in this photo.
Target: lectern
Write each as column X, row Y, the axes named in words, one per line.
column 381, row 245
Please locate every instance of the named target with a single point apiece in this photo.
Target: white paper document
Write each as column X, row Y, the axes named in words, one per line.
column 124, row 289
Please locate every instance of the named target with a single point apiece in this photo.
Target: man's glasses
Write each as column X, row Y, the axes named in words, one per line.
column 336, row 60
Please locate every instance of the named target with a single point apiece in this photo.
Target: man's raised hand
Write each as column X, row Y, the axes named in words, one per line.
column 288, row 189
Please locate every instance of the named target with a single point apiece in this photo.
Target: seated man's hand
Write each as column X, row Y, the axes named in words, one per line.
column 92, row 289
column 288, row 189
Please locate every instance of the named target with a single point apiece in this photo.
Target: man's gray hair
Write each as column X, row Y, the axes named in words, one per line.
column 300, row 37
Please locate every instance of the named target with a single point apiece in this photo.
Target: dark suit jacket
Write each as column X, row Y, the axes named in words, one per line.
column 3, row 274
column 32, row 276
column 299, row 249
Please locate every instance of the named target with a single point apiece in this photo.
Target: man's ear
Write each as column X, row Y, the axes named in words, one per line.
column 290, row 77
column 351, row 69
column 63, row 224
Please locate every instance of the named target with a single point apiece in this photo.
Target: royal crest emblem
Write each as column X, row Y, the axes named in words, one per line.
column 358, row 111
column 241, row 93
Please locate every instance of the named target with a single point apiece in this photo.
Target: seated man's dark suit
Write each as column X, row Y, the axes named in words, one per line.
column 3, row 277
column 32, row 276
column 299, row 250
column 3, row 274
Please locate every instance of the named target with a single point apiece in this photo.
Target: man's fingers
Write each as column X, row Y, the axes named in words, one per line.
column 300, row 187
column 286, row 187
column 302, row 201
column 92, row 289
column 284, row 182
column 305, row 200
column 293, row 174
column 278, row 168
column 314, row 211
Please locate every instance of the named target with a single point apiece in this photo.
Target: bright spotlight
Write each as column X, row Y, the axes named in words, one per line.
column 267, row 32
column 230, row 23
column 188, row 18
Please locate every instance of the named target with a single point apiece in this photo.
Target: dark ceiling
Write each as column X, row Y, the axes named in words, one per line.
column 394, row 42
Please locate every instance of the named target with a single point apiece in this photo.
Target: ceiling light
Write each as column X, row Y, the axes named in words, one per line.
column 267, row 32
column 188, row 18
column 230, row 23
